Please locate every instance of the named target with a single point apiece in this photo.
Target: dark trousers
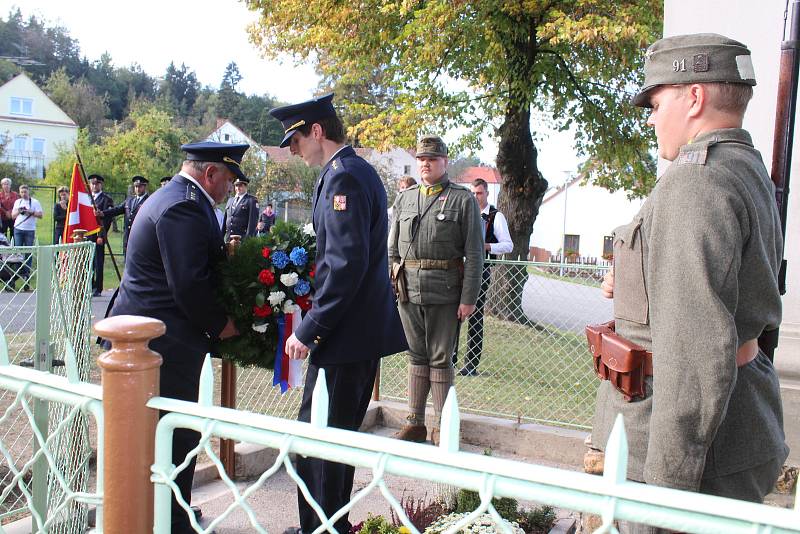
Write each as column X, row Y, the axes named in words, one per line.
column 331, row 483
column 7, row 228
column 99, row 265
column 475, row 325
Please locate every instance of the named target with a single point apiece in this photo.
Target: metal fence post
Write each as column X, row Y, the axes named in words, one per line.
column 130, row 377
column 42, row 361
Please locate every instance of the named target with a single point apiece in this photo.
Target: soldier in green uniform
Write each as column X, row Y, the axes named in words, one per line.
column 436, row 237
column 696, row 282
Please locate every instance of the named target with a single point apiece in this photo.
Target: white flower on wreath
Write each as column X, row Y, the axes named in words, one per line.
column 276, row 297
column 290, row 307
column 289, row 279
column 260, row 328
column 308, row 229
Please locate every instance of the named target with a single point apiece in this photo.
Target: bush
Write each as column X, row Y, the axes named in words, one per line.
column 374, row 524
column 468, row 501
column 420, row 513
column 538, row 520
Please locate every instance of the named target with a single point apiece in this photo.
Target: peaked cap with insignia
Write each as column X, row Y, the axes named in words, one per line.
column 694, row 58
column 296, row 115
column 230, row 155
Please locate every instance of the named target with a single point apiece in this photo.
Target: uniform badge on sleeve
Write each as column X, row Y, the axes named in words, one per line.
column 339, row 202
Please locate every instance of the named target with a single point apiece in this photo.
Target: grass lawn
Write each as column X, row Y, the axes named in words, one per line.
column 581, row 276
column 526, row 374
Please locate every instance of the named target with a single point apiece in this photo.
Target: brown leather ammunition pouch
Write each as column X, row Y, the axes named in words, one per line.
column 399, row 282
column 621, row 362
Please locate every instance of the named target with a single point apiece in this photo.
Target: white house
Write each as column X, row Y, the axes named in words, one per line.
column 760, row 26
column 228, row 132
column 581, row 218
column 32, row 126
column 395, row 162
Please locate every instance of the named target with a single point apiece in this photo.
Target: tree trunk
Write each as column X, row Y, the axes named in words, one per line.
column 520, row 197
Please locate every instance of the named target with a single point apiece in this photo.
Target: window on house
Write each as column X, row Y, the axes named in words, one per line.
column 608, row 247
column 572, row 244
column 20, row 142
column 38, row 145
column 227, row 137
column 406, row 169
column 21, row 106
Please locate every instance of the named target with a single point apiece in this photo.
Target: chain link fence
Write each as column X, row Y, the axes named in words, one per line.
column 44, row 313
column 530, row 363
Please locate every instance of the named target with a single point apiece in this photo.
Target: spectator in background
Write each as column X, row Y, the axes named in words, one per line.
column 265, row 220
column 25, row 212
column 405, row 182
column 128, row 208
column 102, row 202
column 241, row 211
column 496, row 241
column 7, row 199
column 164, row 181
column 60, row 214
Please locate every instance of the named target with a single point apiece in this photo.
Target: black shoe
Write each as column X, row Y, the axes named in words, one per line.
column 97, row 294
column 468, row 371
column 293, row 530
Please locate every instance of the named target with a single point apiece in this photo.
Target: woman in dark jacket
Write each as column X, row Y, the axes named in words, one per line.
column 60, row 214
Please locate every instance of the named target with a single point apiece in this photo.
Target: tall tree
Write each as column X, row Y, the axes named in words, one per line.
column 79, row 101
column 228, row 96
column 180, row 86
column 487, row 64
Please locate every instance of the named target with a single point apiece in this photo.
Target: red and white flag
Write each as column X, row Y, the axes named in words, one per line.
column 80, row 210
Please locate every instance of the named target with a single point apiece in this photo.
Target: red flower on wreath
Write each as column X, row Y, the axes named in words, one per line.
column 304, row 302
column 262, row 311
column 265, row 252
column 266, row 277
column 313, row 270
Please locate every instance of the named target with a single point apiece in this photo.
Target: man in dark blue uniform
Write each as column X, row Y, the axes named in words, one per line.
column 241, row 212
column 168, row 276
column 353, row 322
column 102, row 201
column 129, row 208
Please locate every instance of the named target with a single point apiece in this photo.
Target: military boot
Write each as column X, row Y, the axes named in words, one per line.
column 414, row 430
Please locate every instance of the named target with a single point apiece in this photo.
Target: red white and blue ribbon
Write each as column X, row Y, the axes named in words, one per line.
column 287, row 373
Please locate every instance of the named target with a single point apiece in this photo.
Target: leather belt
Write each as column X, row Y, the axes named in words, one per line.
column 428, row 264
column 746, row 354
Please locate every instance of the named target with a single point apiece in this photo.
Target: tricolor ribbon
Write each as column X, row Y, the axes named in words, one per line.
column 287, row 373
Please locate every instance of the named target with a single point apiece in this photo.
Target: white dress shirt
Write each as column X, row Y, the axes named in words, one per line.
column 504, row 244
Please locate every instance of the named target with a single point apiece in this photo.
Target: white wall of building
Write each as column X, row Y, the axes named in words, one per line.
column 396, row 161
column 36, row 130
column 231, row 134
column 588, row 211
column 760, row 26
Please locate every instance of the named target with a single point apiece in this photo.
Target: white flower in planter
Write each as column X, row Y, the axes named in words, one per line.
column 289, row 279
column 276, row 297
column 308, row 229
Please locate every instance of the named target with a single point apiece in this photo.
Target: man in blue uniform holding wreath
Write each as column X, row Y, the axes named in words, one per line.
column 353, row 322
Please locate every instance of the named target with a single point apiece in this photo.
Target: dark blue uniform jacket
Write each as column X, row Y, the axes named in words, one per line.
column 172, row 247
column 354, row 317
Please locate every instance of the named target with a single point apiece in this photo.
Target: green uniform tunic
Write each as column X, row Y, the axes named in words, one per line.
column 448, row 227
column 696, row 275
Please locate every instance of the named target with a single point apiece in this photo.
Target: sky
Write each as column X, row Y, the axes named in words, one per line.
column 206, row 35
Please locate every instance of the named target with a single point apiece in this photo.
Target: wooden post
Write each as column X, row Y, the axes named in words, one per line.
column 130, row 377
column 79, row 235
column 227, row 451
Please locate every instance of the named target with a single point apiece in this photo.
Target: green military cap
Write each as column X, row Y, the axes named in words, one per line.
column 431, row 146
column 695, row 58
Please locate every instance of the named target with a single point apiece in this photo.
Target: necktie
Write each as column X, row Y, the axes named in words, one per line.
column 429, row 190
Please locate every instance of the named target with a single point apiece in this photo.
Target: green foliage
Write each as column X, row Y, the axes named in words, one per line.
column 375, row 524
column 419, row 512
column 241, row 289
column 78, row 100
column 540, row 519
column 291, row 179
column 148, row 144
column 468, row 501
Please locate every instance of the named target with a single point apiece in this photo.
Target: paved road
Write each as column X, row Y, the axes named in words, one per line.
column 564, row 305
column 18, row 310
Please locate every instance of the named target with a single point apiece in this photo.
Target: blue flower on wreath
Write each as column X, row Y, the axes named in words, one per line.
column 279, row 259
column 302, row 287
column 298, row 256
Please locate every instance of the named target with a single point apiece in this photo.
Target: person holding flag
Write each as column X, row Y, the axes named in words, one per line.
column 80, row 212
column 102, row 201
